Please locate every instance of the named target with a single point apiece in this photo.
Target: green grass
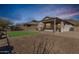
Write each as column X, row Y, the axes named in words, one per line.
column 21, row 33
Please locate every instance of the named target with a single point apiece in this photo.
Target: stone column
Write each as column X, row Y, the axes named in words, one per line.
column 54, row 25
column 62, row 26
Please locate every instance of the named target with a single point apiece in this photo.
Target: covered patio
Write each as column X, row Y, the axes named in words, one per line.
column 55, row 24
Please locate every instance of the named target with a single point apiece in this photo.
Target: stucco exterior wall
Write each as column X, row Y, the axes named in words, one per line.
column 67, row 27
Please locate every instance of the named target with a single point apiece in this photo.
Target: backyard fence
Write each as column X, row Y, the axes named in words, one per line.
column 3, row 36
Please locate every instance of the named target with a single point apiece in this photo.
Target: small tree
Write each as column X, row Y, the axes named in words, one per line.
column 34, row 21
column 5, row 23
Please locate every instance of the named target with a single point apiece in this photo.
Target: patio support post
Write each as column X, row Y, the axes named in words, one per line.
column 44, row 26
column 54, row 25
column 62, row 26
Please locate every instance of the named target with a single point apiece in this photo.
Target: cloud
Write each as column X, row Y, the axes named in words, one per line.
column 68, row 13
column 63, row 12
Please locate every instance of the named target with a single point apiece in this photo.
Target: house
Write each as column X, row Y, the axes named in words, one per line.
column 55, row 24
column 31, row 25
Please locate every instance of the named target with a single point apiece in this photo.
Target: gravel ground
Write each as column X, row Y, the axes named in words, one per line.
column 47, row 43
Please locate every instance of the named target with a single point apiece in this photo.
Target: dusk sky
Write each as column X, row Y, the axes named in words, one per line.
column 26, row 12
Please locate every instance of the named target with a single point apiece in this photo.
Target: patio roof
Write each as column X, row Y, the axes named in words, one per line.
column 51, row 19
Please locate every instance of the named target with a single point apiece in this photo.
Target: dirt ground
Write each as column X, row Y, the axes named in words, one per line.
column 47, row 43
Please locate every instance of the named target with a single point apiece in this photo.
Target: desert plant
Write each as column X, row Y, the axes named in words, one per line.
column 4, row 22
